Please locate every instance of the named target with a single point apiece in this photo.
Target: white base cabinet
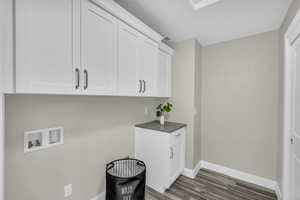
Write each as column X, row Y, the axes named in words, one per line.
column 163, row 154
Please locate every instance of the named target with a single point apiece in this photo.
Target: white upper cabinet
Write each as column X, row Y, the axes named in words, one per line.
column 86, row 47
column 128, row 82
column 148, row 63
column 44, row 49
column 99, row 50
column 164, row 74
column 138, row 59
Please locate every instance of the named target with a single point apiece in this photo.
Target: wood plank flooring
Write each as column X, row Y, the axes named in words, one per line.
column 209, row 185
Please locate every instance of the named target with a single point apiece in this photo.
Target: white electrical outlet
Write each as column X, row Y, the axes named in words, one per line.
column 68, row 190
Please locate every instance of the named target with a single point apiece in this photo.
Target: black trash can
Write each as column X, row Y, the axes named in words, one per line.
column 125, row 180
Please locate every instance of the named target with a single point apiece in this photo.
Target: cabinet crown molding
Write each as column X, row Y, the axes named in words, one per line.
column 165, row 48
column 115, row 9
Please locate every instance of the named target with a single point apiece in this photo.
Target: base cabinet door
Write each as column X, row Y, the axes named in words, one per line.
column 177, row 155
column 44, row 46
column 152, row 148
column 99, row 50
column 163, row 154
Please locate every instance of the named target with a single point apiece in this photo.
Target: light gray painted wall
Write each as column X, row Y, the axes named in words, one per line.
column 183, row 73
column 1, row 144
column 240, row 104
column 197, row 117
column 97, row 130
column 2, row 50
column 294, row 7
column 185, row 95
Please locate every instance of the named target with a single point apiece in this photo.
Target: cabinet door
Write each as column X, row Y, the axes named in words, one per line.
column 128, row 82
column 153, row 148
column 164, row 74
column 175, row 154
column 99, row 50
column 148, row 64
column 44, row 46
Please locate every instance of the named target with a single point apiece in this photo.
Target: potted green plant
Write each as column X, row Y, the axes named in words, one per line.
column 161, row 109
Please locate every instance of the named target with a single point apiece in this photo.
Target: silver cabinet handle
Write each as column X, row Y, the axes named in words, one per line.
column 144, row 86
column 171, row 153
column 140, row 86
column 178, row 134
column 77, row 78
column 86, row 77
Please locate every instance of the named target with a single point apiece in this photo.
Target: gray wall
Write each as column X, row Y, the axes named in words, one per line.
column 185, row 72
column 1, row 144
column 240, row 104
column 97, row 130
column 294, row 7
column 197, row 117
column 2, row 62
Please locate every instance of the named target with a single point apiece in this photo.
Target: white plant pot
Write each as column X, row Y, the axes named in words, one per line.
column 162, row 120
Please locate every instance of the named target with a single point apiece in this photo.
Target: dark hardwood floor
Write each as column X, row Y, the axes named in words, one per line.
column 209, row 185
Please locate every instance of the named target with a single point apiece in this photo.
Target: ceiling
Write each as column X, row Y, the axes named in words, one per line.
column 222, row 21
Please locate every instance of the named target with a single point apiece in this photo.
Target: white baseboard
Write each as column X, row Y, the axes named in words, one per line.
column 191, row 173
column 250, row 178
column 278, row 192
column 188, row 173
column 100, row 196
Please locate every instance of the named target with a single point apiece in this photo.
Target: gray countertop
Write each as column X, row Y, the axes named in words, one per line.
column 169, row 127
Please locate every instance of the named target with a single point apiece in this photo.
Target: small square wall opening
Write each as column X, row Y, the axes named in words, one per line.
column 33, row 141
column 55, row 136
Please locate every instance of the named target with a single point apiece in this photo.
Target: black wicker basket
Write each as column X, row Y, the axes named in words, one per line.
column 125, row 180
